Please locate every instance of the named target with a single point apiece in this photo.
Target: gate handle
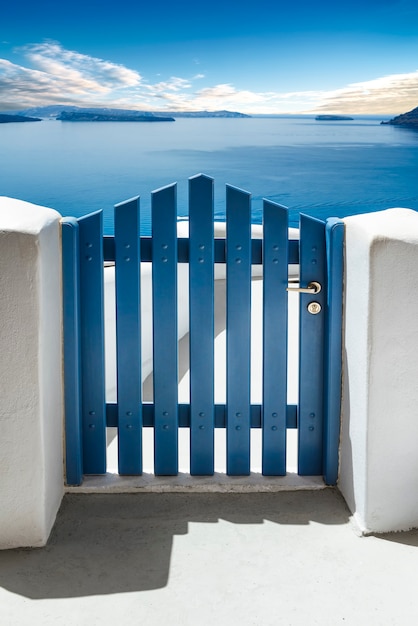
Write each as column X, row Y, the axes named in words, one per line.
column 313, row 287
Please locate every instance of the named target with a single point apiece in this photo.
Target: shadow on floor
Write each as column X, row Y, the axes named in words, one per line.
column 407, row 538
column 115, row 543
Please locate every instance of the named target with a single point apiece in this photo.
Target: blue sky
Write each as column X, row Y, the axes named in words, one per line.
column 257, row 57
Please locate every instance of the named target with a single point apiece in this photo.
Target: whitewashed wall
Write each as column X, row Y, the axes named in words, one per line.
column 31, row 413
column 379, row 442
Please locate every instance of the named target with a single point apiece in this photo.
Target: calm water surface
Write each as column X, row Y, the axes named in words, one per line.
column 319, row 168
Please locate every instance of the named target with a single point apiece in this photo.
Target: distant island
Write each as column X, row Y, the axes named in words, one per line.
column 52, row 111
column 206, row 114
column 406, row 120
column 333, row 118
column 86, row 116
column 6, row 119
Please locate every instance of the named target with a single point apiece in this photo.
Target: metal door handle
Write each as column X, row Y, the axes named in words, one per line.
column 313, row 287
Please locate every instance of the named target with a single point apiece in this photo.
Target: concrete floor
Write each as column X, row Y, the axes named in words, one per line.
column 287, row 558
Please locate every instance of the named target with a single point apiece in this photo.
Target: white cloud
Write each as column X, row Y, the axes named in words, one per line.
column 174, row 84
column 54, row 60
column 225, row 95
column 56, row 75
column 391, row 94
column 62, row 76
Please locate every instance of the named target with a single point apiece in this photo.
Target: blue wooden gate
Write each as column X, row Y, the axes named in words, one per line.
column 319, row 255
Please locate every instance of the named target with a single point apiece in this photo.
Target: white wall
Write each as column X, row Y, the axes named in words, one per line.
column 31, row 416
column 379, row 442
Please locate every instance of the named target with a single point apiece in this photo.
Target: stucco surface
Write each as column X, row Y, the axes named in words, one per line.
column 30, row 373
column 379, row 461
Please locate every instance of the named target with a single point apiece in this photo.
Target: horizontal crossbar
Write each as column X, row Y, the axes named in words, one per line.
column 184, row 415
column 183, row 250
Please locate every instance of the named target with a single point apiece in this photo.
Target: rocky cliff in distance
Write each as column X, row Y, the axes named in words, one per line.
column 86, row 116
column 407, row 120
column 4, row 119
column 206, row 114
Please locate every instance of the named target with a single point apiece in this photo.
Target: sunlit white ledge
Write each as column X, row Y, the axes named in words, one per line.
column 184, row 483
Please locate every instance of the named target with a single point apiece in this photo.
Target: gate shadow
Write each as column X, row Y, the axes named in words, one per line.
column 118, row 543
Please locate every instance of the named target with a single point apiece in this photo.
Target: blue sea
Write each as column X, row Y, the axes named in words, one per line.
column 318, row 168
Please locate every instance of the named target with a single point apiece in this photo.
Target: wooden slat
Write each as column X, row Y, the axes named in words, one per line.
column 201, row 297
column 184, row 415
column 92, row 343
column 128, row 336
column 275, row 280
column 238, row 330
column 333, row 355
column 72, row 354
column 164, row 293
column 311, row 347
column 183, row 250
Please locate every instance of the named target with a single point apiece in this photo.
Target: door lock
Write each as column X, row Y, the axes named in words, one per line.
column 314, row 308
